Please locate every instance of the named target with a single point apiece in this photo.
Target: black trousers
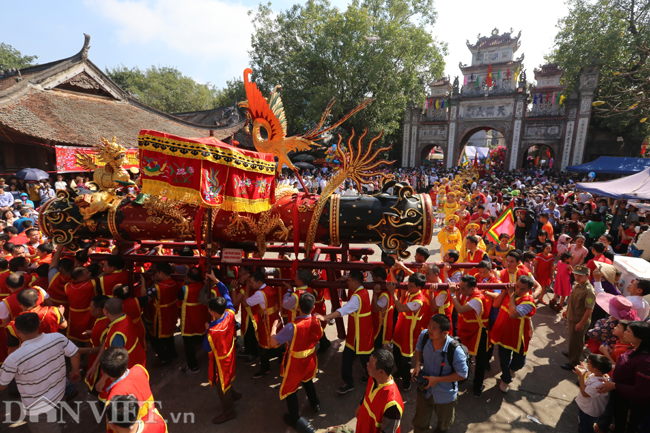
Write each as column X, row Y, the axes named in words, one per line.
column 347, row 362
column 165, row 348
column 481, row 360
column 379, row 341
column 190, row 343
column 267, row 354
column 403, row 364
column 292, row 400
column 454, row 322
column 250, row 340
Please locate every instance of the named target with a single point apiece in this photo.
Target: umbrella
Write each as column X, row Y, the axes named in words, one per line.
column 304, row 165
column 304, row 157
column 32, row 174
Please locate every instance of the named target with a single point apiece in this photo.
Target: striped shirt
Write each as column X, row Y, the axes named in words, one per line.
column 39, row 369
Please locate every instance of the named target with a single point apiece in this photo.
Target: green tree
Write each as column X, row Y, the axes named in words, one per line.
column 165, row 88
column 12, row 58
column 232, row 94
column 374, row 49
column 612, row 34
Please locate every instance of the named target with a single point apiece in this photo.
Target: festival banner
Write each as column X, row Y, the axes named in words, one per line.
column 504, row 224
column 66, row 158
column 206, row 172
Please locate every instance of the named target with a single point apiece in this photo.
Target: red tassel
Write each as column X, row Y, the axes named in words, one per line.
column 198, row 224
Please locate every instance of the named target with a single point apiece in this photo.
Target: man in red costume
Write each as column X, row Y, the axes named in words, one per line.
column 96, row 333
column 513, row 329
column 474, row 253
column 382, row 309
column 300, row 363
column 382, row 406
column 219, row 342
column 113, row 275
column 265, row 300
column 248, row 318
column 194, row 316
column 126, row 380
column 162, row 312
column 359, row 341
column 80, row 291
column 292, row 296
column 408, row 325
column 473, row 316
column 59, row 276
column 30, row 301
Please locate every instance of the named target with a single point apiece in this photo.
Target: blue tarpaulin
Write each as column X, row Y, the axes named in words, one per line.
column 612, row 165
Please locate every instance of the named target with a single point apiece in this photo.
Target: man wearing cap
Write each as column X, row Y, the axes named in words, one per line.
column 6, row 198
column 578, row 314
column 450, row 237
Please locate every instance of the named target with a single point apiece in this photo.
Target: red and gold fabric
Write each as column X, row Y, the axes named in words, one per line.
column 135, row 382
column 124, row 326
column 408, row 325
column 98, row 331
column 474, row 257
column 360, row 328
column 267, row 316
column 319, row 306
column 447, row 308
column 470, row 324
column 377, row 400
column 512, row 333
column 153, row 424
column 13, row 306
column 79, row 319
column 194, row 315
column 300, row 361
column 56, row 289
column 222, row 342
column 382, row 321
column 109, row 281
column 506, row 277
column 162, row 313
column 131, row 307
column 206, row 172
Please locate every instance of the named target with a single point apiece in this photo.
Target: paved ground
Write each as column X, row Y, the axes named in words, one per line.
column 542, row 391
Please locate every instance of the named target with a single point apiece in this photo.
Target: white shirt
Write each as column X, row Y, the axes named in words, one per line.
column 323, row 183
column 584, row 197
column 477, row 306
column 441, row 299
column 640, row 305
column 38, row 366
column 352, row 306
column 257, row 298
column 350, row 192
column 60, row 185
column 594, row 405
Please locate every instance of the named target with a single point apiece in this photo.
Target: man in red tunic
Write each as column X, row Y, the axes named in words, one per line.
column 126, row 380
column 59, row 276
column 382, row 406
column 359, row 341
column 513, row 329
column 113, row 274
column 30, row 301
column 292, row 296
column 265, row 300
column 408, row 325
column 473, row 316
column 80, row 291
column 219, row 342
column 162, row 312
column 249, row 317
column 194, row 316
column 474, row 254
column 382, row 309
column 300, row 363
column 96, row 334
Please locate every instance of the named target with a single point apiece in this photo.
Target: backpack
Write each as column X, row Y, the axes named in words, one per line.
column 449, row 355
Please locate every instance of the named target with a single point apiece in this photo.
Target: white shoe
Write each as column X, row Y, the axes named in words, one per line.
column 503, row 387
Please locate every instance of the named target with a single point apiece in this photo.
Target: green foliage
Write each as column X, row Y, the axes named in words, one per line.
column 232, row 94
column 374, row 49
column 166, row 89
column 12, row 58
column 610, row 34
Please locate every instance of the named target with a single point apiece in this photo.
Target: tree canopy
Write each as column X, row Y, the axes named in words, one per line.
column 374, row 49
column 12, row 58
column 168, row 90
column 613, row 35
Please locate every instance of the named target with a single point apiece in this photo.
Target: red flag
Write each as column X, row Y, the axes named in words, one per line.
column 504, row 224
column 476, row 159
column 644, row 146
column 508, row 73
column 488, row 80
column 548, row 152
column 548, row 94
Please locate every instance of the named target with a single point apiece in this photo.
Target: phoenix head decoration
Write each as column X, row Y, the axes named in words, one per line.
column 269, row 115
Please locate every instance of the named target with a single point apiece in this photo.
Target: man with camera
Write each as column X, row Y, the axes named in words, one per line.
column 437, row 378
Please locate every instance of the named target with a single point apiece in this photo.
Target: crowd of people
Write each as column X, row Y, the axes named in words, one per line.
column 429, row 336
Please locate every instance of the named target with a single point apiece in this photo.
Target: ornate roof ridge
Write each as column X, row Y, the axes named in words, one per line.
column 495, row 39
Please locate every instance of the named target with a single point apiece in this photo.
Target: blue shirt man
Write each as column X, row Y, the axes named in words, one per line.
column 223, row 292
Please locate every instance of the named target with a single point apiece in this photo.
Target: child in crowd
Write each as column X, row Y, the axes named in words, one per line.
column 590, row 401
column 529, row 261
column 544, row 266
column 562, row 286
column 619, row 347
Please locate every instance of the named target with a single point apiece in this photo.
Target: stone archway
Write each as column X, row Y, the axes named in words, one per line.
column 539, row 154
column 424, row 149
column 465, row 132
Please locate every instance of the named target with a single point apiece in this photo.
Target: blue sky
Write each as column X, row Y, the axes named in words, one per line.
column 209, row 39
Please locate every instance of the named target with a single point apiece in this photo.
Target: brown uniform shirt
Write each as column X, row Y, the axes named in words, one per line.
column 582, row 298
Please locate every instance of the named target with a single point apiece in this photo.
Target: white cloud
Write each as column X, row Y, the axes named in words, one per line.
column 210, row 31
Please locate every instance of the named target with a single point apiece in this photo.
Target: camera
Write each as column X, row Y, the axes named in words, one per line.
column 422, row 381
